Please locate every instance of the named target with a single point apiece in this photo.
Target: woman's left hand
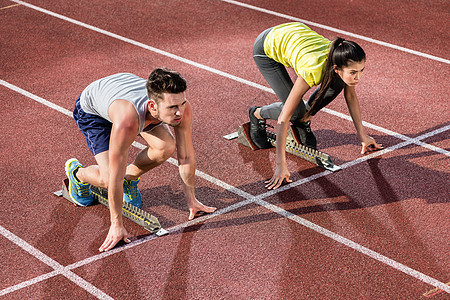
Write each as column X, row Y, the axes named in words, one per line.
column 369, row 145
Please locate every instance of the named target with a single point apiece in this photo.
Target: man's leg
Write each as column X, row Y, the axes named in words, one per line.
column 96, row 175
column 161, row 145
column 81, row 178
column 96, row 131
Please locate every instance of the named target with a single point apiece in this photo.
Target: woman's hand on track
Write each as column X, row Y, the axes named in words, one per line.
column 369, row 145
column 281, row 174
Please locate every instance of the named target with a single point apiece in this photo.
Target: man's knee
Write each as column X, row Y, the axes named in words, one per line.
column 161, row 152
column 161, row 143
column 168, row 149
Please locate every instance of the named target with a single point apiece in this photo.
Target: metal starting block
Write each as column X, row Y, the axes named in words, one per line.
column 293, row 146
column 137, row 215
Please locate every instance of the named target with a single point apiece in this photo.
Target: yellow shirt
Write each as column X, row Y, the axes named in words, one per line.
column 295, row 45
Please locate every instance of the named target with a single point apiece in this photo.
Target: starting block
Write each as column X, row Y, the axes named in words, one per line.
column 293, row 146
column 137, row 215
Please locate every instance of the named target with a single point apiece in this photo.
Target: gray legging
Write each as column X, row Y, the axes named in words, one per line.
column 279, row 80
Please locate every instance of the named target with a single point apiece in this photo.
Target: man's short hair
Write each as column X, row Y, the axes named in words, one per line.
column 164, row 80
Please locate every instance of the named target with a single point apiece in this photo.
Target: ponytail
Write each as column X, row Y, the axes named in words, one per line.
column 341, row 53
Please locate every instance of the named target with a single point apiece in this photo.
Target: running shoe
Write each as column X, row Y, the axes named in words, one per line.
column 305, row 134
column 257, row 130
column 79, row 192
column 131, row 193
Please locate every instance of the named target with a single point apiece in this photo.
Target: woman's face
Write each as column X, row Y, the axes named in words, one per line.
column 351, row 74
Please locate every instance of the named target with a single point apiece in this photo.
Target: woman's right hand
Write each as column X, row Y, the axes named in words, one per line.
column 281, row 174
column 292, row 102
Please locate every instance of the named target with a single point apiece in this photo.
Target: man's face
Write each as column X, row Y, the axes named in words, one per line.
column 170, row 109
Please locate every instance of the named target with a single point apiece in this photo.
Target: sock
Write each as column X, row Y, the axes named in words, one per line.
column 75, row 174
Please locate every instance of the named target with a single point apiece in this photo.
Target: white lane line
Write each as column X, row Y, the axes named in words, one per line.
column 144, row 46
column 133, row 244
column 10, row 6
column 258, row 200
column 366, row 251
column 59, row 269
column 36, row 98
column 172, row 229
column 26, row 283
column 205, row 176
column 416, row 140
column 168, row 55
column 209, row 69
column 355, row 162
column 432, row 57
column 361, row 37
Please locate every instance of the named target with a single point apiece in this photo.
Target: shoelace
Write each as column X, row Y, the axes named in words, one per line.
column 307, row 126
column 304, row 125
column 262, row 125
column 83, row 190
column 130, row 190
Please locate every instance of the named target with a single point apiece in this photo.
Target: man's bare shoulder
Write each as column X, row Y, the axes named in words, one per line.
column 123, row 111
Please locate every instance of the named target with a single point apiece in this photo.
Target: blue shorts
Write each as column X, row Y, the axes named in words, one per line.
column 96, row 130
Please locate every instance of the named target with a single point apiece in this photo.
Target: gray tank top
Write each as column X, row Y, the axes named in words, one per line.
column 98, row 96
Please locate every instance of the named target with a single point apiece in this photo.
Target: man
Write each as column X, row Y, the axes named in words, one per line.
column 111, row 112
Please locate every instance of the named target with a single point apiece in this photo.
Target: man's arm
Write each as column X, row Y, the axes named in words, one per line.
column 368, row 143
column 186, row 163
column 185, row 151
column 124, row 131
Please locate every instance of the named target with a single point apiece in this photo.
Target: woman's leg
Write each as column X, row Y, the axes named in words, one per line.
column 304, row 132
column 278, row 78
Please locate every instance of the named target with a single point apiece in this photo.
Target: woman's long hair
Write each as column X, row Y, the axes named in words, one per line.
column 342, row 52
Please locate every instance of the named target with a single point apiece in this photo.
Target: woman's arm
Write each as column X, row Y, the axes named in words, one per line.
column 295, row 96
column 368, row 143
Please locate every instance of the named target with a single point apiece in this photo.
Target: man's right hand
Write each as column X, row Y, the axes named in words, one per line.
column 116, row 234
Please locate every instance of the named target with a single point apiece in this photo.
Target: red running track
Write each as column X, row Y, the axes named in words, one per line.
column 378, row 229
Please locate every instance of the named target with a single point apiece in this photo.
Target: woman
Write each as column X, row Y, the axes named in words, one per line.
column 336, row 66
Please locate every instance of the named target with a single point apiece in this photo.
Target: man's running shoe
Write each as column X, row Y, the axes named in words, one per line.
column 257, row 130
column 79, row 192
column 305, row 134
column 131, row 193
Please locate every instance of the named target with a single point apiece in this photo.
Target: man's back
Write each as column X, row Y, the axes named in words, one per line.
column 98, row 96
